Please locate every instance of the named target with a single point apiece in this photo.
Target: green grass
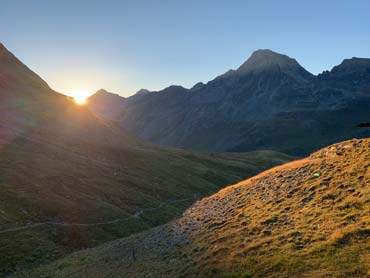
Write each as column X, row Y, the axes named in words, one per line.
column 45, row 177
column 60, row 163
column 280, row 223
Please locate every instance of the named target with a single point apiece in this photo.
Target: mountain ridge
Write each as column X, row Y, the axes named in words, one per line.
column 257, row 109
column 257, row 52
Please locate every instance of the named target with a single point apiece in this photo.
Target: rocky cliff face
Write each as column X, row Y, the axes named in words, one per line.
column 269, row 102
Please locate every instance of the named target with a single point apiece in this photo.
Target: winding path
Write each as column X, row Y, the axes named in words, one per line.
column 63, row 224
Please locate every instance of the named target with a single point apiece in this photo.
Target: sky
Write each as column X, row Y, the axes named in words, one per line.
column 123, row 46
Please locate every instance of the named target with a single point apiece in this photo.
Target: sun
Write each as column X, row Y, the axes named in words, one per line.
column 80, row 96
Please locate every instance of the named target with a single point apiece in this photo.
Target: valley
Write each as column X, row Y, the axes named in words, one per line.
column 307, row 218
column 71, row 180
column 184, row 139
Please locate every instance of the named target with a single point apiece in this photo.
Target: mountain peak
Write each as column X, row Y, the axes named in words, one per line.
column 15, row 74
column 266, row 60
column 142, row 92
column 197, row 86
column 8, row 57
column 105, row 103
column 354, row 64
column 263, row 59
column 175, row 89
column 104, row 94
column 267, row 53
column 4, row 52
column 102, row 91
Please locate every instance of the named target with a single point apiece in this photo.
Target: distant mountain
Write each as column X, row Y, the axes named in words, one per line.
column 142, row 92
column 307, row 218
column 70, row 179
column 269, row 102
column 106, row 104
column 265, row 60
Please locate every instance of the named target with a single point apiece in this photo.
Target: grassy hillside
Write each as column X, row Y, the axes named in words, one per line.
column 307, row 218
column 70, row 180
column 58, row 181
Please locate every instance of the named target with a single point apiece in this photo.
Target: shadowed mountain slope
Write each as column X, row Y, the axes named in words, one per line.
column 70, row 180
column 269, row 102
column 307, row 218
column 106, row 104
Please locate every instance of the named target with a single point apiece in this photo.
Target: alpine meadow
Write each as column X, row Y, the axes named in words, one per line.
column 165, row 139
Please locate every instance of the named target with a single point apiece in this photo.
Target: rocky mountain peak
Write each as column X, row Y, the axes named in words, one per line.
column 267, row 60
column 142, row 92
column 102, row 93
column 354, row 64
column 197, row 86
column 174, row 89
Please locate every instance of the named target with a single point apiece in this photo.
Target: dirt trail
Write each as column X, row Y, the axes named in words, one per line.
column 63, row 224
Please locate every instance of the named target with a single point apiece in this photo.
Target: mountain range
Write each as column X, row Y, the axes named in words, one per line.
column 269, row 103
column 83, row 194
column 70, row 179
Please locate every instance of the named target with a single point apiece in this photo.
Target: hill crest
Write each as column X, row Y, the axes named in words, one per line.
column 307, row 218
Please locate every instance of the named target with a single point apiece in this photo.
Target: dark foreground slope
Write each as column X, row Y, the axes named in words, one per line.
column 269, row 102
column 70, row 180
column 307, row 218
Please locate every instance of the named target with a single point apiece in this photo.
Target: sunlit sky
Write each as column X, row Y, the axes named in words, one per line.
column 123, row 46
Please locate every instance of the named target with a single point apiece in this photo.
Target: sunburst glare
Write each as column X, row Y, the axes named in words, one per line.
column 80, row 96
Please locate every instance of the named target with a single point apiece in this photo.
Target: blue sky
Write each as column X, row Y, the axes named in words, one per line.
column 123, row 46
